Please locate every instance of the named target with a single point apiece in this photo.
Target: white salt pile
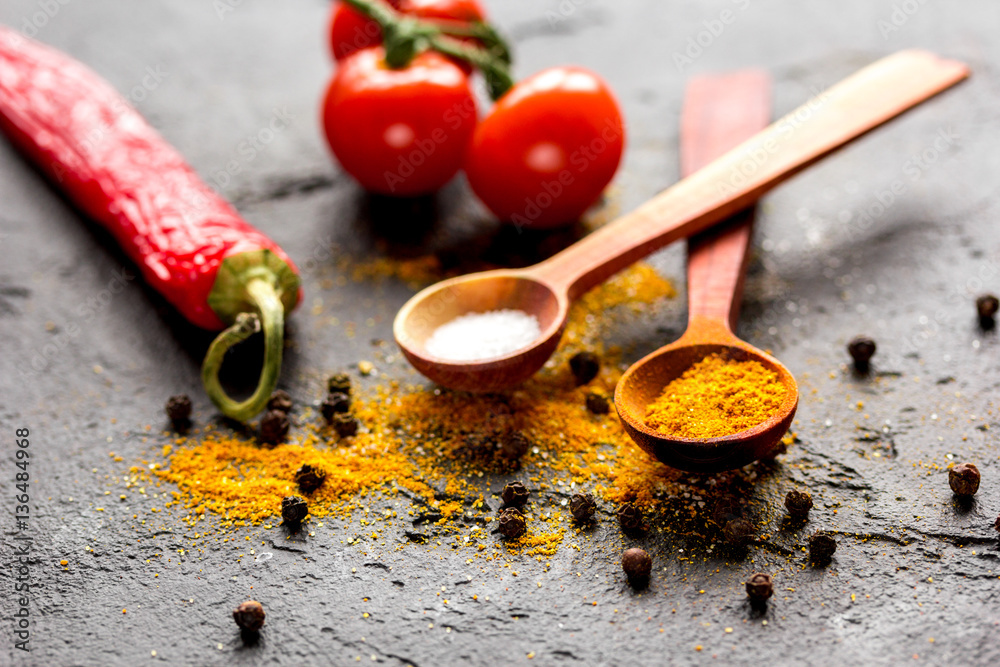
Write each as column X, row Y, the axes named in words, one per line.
column 480, row 336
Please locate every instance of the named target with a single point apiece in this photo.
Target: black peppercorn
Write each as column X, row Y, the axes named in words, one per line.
column 798, row 504
column 344, row 424
column 598, row 403
column 861, row 349
column 179, row 409
column 630, row 518
column 274, row 427
column 476, row 447
column 996, row 524
column 582, row 506
column 280, row 401
column 964, row 479
column 585, row 366
column 339, row 383
column 821, row 547
column 309, row 478
column 514, row 494
column 738, row 532
column 249, row 616
column 637, row 565
column 294, row 509
column 987, row 306
column 512, row 523
column 499, row 420
column 514, row 445
column 501, row 408
column 759, row 587
column 336, row 403
column 725, row 510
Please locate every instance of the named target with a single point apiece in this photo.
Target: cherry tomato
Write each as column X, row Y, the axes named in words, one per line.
column 455, row 10
column 548, row 149
column 403, row 131
column 352, row 31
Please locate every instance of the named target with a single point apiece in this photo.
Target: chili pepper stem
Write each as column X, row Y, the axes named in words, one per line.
column 269, row 316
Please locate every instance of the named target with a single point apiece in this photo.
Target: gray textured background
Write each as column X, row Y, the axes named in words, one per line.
column 921, row 566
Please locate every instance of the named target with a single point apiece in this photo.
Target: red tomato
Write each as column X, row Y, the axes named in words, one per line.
column 456, row 10
column 351, row 31
column 399, row 132
column 548, row 149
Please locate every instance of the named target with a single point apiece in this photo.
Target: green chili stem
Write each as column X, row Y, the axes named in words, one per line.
column 270, row 316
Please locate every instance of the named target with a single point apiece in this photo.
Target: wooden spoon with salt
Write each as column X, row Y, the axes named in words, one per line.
column 719, row 112
column 721, row 189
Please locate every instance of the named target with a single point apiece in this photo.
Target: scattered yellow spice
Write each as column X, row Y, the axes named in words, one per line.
column 716, row 397
column 240, row 480
column 426, row 445
column 416, row 272
column 538, row 544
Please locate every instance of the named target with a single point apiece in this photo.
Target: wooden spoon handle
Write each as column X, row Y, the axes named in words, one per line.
column 720, row 112
column 730, row 184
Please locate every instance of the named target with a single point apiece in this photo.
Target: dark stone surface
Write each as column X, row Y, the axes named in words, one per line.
column 912, row 565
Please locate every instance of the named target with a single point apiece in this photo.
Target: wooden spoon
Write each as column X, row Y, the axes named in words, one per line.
column 731, row 183
column 719, row 112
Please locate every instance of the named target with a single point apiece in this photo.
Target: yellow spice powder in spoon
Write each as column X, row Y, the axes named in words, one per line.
column 716, row 397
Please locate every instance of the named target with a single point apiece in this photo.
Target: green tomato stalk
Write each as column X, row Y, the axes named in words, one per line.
column 405, row 37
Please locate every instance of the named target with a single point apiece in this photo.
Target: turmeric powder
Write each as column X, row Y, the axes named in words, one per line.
column 419, row 445
column 716, row 397
column 413, row 437
column 412, row 470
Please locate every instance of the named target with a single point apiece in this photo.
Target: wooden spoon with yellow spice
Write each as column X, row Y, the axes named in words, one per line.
column 710, row 401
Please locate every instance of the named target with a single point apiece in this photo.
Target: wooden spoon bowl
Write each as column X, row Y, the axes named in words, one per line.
column 479, row 293
column 644, row 382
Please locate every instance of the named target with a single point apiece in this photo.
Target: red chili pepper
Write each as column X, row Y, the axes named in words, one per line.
column 191, row 245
